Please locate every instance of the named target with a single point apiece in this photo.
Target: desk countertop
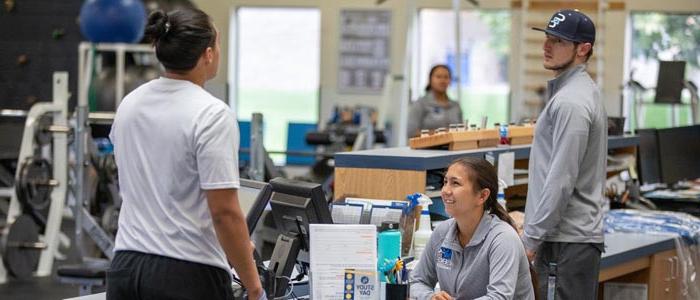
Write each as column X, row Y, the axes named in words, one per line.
column 405, row 158
column 619, row 248
column 624, row 247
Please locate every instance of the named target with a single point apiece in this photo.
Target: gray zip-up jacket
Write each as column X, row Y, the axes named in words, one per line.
column 427, row 113
column 567, row 164
column 492, row 265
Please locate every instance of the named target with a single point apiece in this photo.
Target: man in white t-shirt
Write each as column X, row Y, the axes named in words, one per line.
column 176, row 145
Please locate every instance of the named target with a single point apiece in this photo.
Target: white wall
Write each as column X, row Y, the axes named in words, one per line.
column 613, row 52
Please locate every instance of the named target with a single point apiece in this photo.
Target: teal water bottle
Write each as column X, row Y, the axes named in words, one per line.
column 388, row 244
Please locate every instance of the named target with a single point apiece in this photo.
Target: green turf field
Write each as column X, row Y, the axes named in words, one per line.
column 278, row 108
column 660, row 115
column 491, row 103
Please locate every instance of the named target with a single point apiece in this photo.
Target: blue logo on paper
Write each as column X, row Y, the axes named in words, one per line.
column 365, row 288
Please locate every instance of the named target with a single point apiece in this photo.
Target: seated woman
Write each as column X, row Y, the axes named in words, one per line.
column 476, row 254
column 435, row 109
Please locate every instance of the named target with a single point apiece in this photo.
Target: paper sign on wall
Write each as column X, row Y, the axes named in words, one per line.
column 364, row 50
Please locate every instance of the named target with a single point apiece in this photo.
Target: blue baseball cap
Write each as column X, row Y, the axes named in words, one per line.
column 571, row 25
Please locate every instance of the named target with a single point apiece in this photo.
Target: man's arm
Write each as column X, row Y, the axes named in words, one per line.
column 569, row 139
column 232, row 232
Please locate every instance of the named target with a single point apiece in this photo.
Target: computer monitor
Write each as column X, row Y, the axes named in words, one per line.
column 649, row 162
column 295, row 205
column 253, row 197
column 678, row 151
column 670, row 82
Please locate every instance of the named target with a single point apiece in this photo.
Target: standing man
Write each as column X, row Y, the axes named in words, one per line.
column 563, row 215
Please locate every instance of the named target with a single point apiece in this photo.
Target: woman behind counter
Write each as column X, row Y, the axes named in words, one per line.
column 435, row 109
column 477, row 254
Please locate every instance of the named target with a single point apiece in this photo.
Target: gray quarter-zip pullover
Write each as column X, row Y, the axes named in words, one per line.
column 427, row 113
column 492, row 265
column 567, row 164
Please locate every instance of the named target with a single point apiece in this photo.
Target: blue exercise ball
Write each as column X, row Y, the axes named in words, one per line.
column 113, row 21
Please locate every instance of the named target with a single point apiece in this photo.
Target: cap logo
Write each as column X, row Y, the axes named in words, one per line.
column 554, row 22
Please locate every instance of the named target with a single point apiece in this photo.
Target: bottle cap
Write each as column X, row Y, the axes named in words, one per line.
column 388, row 225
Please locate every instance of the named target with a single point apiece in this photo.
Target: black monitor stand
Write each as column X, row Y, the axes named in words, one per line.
column 295, row 205
column 282, row 262
column 284, row 257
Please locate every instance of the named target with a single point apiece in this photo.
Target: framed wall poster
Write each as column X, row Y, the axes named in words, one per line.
column 363, row 51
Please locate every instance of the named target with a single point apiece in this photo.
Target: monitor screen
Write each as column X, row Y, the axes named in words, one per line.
column 254, row 198
column 649, row 163
column 669, row 84
column 678, row 152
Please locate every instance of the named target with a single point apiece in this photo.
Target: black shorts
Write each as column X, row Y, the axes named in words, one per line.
column 135, row 275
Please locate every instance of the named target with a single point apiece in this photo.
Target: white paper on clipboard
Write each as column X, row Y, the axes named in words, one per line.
column 380, row 214
column 347, row 213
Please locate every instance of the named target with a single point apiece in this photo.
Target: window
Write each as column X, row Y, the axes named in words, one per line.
column 485, row 39
column 277, row 70
column 661, row 36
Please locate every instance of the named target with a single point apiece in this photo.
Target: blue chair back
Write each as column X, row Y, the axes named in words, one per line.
column 244, row 128
column 296, row 141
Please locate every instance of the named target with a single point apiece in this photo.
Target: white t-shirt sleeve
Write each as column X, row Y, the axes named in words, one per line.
column 216, row 149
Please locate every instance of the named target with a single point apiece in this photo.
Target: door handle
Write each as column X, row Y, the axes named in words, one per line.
column 678, row 266
column 670, row 270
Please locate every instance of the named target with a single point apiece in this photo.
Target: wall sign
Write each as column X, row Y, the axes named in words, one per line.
column 364, row 51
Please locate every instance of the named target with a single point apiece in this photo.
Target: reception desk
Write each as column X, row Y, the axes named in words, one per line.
column 393, row 173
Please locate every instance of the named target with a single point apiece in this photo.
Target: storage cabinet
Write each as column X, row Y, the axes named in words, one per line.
column 661, row 272
column 665, row 276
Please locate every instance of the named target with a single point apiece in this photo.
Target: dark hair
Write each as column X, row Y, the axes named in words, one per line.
column 432, row 70
column 180, row 37
column 483, row 176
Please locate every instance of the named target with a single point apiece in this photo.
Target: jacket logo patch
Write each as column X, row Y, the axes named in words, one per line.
column 444, row 258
